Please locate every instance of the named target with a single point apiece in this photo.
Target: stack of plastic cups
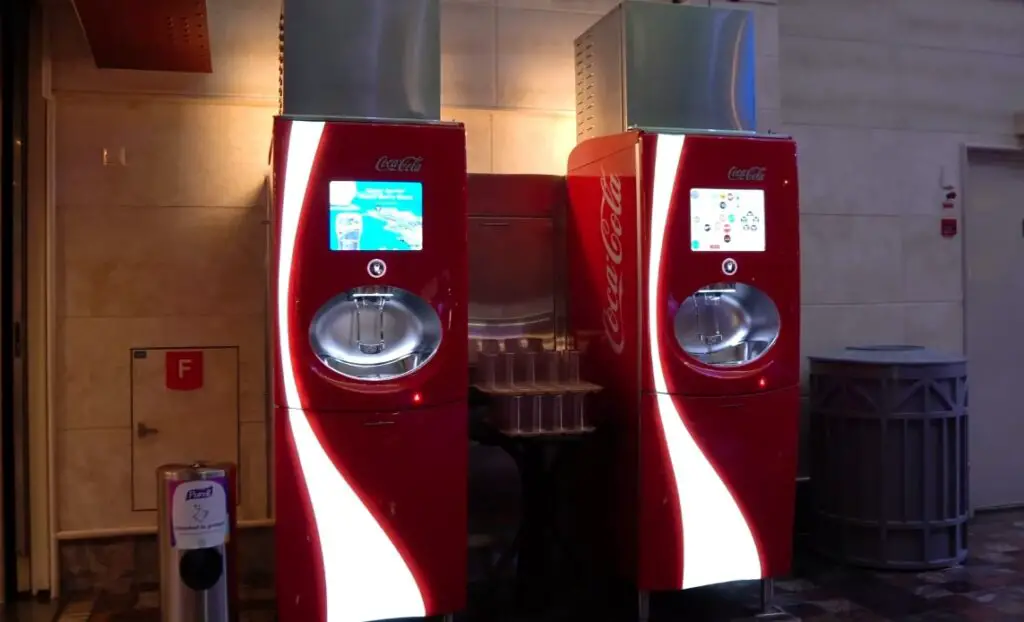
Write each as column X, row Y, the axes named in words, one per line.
column 528, row 380
column 577, row 398
column 487, row 371
column 555, row 420
column 555, row 401
column 513, row 416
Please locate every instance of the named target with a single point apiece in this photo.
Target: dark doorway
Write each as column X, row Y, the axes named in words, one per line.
column 14, row 65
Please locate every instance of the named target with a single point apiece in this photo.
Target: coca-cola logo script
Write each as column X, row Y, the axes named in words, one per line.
column 408, row 164
column 611, row 237
column 754, row 173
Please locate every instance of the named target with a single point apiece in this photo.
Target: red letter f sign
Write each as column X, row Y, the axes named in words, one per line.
column 184, row 370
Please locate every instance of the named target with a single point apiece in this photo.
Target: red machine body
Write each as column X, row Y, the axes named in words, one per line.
column 688, row 312
column 369, row 325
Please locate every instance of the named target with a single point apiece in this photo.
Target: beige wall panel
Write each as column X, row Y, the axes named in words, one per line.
column 478, row 136
column 536, row 61
column 535, row 143
column 468, row 56
column 92, row 387
column 128, row 262
column 851, row 259
column 161, row 153
column 243, row 38
column 253, row 471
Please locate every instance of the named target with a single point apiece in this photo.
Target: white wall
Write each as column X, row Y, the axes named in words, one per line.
column 508, row 67
column 881, row 95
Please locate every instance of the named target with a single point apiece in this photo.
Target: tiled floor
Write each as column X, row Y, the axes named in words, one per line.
column 29, row 612
column 988, row 588
column 144, row 606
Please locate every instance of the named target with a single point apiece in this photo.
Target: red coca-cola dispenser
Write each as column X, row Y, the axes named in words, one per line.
column 685, row 296
column 369, row 331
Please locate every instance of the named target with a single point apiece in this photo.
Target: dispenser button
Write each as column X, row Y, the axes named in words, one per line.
column 376, row 268
column 729, row 267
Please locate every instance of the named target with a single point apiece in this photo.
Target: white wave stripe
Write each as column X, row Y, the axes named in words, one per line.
column 365, row 577
column 302, row 147
column 364, row 574
column 718, row 545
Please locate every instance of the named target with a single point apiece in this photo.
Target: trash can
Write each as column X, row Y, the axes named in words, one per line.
column 889, row 467
column 196, row 513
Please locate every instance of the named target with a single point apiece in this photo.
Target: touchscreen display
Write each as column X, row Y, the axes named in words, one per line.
column 376, row 216
column 726, row 220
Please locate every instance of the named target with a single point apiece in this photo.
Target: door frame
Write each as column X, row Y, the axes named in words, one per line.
column 972, row 152
column 33, row 564
column 16, row 43
column 969, row 151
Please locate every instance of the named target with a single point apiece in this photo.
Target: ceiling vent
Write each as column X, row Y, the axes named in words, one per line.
column 152, row 35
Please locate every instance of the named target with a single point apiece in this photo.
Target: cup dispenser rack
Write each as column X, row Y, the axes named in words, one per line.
column 537, row 391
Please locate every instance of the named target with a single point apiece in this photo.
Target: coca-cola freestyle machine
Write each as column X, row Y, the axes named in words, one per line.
column 684, row 293
column 369, row 288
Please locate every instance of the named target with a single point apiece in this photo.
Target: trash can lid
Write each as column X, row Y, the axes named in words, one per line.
column 890, row 355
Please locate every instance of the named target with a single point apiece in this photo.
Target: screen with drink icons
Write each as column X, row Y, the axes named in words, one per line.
column 376, row 216
column 726, row 220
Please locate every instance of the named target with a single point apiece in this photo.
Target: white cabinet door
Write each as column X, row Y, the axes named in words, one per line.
column 184, row 409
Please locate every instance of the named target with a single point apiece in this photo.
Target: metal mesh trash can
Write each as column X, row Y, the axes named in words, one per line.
column 196, row 524
column 889, row 464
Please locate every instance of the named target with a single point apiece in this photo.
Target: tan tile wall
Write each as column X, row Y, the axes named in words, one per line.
column 168, row 249
column 881, row 96
column 165, row 251
column 164, row 246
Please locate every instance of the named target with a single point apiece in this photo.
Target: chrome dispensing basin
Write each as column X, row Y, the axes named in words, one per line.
column 375, row 333
column 727, row 324
column 742, row 352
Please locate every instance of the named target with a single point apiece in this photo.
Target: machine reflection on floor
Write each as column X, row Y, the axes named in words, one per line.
column 989, row 587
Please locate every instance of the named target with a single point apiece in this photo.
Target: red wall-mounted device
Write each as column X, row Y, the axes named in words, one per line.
column 948, row 227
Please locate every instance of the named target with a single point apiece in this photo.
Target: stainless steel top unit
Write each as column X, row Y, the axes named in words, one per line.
column 372, row 59
column 656, row 65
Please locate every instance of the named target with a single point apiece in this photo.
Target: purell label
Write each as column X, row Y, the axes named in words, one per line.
column 199, row 514
column 199, row 493
column 611, row 237
column 408, row 164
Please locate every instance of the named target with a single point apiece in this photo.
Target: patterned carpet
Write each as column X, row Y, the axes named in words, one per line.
column 988, row 588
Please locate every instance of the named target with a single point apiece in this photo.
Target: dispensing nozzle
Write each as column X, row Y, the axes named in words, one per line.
column 711, row 340
column 370, row 310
